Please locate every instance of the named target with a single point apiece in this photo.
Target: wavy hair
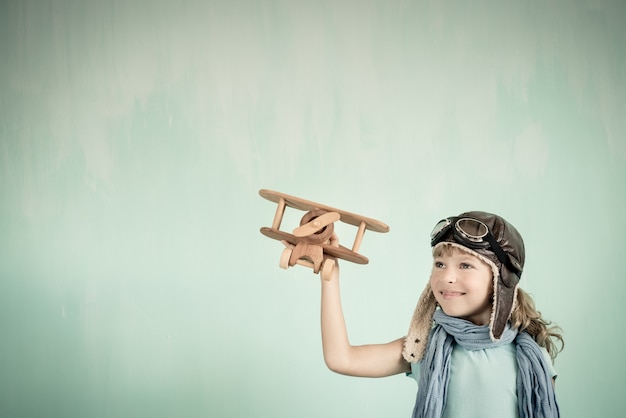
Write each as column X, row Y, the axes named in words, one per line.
column 526, row 317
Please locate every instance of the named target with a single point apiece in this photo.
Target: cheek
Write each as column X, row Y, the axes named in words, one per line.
column 490, row 284
column 433, row 277
column 488, row 289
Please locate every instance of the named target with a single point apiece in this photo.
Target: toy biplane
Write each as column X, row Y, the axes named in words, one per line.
column 310, row 243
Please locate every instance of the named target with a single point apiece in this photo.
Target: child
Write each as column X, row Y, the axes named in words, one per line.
column 487, row 354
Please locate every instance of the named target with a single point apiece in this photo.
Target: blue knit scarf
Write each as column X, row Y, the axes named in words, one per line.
column 535, row 391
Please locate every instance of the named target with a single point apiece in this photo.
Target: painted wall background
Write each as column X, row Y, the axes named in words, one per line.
column 134, row 137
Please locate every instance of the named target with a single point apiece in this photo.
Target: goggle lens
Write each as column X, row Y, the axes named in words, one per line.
column 441, row 225
column 472, row 229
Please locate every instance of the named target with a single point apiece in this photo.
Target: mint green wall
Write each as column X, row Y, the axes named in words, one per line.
column 134, row 137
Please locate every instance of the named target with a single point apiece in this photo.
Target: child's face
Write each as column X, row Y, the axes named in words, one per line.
column 463, row 286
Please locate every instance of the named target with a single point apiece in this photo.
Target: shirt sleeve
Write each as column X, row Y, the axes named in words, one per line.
column 415, row 371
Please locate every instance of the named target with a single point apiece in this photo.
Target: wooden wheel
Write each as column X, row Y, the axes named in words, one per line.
column 284, row 258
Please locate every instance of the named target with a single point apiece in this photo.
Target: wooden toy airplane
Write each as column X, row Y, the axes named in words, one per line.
column 309, row 244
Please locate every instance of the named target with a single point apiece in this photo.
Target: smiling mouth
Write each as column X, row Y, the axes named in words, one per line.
column 450, row 294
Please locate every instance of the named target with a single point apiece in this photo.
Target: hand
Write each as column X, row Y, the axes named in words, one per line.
column 334, row 242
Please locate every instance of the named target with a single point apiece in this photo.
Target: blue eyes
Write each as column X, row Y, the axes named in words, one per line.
column 462, row 266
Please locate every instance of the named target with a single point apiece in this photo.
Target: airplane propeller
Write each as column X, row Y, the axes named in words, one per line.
column 316, row 224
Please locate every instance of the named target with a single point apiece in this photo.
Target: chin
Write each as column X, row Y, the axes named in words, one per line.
column 473, row 318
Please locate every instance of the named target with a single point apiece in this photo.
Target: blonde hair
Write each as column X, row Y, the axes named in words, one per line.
column 525, row 317
column 445, row 250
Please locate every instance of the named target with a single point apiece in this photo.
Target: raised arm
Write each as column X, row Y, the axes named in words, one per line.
column 373, row 360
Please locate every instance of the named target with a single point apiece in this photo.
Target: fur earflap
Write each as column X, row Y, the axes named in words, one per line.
column 421, row 323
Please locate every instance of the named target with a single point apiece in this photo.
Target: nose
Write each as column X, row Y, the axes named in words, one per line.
column 448, row 276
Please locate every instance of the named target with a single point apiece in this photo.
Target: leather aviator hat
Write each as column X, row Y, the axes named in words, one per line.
column 493, row 240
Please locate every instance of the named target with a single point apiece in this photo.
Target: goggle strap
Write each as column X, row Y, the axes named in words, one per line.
column 504, row 259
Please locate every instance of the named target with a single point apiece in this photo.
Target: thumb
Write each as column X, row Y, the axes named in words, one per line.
column 334, row 240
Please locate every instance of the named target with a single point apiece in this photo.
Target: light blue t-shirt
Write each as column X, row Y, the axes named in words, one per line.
column 483, row 383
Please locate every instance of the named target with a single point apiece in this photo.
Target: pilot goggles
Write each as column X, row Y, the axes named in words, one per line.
column 473, row 234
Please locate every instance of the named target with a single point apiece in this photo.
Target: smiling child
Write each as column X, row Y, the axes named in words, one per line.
column 476, row 345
